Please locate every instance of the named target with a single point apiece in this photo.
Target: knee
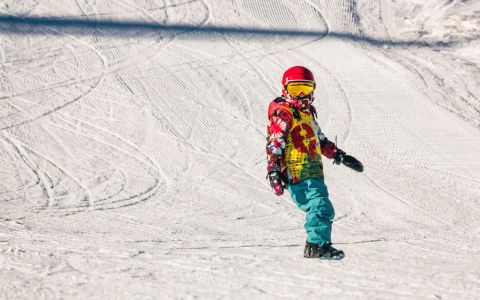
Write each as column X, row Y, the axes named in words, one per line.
column 323, row 209
column 321, row 216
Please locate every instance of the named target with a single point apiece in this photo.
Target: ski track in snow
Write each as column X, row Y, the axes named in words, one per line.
column 135, row 166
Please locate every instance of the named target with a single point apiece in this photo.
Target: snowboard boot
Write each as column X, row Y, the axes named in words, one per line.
column 326, row 251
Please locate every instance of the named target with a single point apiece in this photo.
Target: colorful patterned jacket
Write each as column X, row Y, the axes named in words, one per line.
column 295, row 143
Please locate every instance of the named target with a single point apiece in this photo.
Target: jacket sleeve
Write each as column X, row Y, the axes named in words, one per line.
column 279, row 126
column 328, row 147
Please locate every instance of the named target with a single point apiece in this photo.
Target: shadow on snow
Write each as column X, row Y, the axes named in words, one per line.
column 31, row 25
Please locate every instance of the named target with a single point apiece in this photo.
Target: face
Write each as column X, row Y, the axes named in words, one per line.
column 300, row 93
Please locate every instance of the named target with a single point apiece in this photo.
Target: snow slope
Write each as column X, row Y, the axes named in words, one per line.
column 132, row 148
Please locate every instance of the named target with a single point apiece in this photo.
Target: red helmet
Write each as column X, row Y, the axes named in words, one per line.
column 298, row 73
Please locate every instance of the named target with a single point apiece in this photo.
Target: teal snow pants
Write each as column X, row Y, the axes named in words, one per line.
column 311, row 196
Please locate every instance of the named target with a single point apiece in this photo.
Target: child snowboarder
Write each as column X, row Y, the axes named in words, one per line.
column 295, row 145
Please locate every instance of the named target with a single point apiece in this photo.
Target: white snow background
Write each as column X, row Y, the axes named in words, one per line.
column 132, row 161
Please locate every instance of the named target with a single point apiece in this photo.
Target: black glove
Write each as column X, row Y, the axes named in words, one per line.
column 347, row 160
column 352, row 163
column 277, row 182
column 338, row 156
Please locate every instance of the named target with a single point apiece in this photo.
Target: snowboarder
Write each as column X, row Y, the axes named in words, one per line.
column 295, row 145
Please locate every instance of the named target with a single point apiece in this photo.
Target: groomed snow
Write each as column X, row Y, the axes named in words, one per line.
column 132, row 161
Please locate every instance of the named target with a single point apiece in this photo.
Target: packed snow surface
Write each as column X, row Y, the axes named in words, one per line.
column 132, row 161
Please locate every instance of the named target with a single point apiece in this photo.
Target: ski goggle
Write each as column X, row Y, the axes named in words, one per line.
column 296, row 88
